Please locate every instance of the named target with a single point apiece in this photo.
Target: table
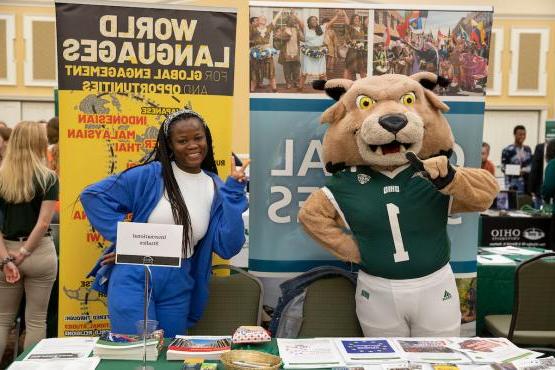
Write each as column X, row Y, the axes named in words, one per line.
column 163, row 364
column 495, row 289
column 515, row 228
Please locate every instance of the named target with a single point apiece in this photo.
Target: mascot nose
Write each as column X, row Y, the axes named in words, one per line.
column 393, row 122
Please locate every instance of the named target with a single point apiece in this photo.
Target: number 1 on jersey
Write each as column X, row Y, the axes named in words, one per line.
column 400, row 254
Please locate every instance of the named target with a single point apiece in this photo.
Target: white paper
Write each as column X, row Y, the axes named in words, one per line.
column 152, row 244
column 495, row 259
column 490, row 350
column 512, row 169
column 536, row 364
column 309, row 353
column 89, row 363
column 62, row 349
column 510, row 250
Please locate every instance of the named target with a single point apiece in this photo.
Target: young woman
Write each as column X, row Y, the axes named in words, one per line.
column 314, row 50
column 357, row 54
column 262, row 53
column 179, row 185
column 28, row 194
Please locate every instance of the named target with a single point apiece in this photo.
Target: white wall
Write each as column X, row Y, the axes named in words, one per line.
column 13, row 112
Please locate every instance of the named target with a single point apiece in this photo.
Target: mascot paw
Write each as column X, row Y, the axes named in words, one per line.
column 437, row 169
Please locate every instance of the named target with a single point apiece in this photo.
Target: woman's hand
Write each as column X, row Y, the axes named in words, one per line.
column 239, row 174
column 109, row 258
column 19, row 257
column 11, row 272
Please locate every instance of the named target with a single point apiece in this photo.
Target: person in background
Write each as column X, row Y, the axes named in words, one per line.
column 177, row 184
column 535, row 179
column 53, row 156
column 28, row 262
column 53, row 134
column 356, row 37
column 330, row 39
column 291, row 36
column 548, row 187
column 5, row 133
column 260, row 35
column 253, row 23
column 315, row 50
column 520, row 155
column 486, row 163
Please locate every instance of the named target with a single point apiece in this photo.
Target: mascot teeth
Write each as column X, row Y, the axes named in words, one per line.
column 390, row 148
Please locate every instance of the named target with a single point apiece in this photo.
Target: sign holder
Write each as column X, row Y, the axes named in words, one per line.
column 146, row 261
column 148, row 245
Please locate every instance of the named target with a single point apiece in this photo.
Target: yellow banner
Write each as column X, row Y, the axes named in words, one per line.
column 110, row 114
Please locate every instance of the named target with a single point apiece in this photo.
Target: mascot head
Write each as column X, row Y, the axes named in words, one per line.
column 377, row 119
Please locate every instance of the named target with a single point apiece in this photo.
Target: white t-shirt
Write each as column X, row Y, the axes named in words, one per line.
column 197, row 190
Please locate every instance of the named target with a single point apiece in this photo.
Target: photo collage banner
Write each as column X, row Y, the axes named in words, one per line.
column 295, row 44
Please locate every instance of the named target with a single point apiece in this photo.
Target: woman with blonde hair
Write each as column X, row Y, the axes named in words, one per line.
column 28, row 262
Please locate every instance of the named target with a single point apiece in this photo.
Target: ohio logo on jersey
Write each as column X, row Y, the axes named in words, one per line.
column 391, row 189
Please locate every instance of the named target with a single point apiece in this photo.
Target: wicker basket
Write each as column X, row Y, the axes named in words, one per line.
column 259, row 360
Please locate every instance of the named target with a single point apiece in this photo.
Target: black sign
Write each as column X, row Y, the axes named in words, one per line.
column 117, row 49
column 516, row 231
column 147, row 260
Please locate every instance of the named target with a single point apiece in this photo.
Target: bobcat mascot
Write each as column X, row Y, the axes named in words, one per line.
column 386, row 205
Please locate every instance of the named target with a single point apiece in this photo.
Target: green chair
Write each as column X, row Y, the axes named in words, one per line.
column 234, row 300
column 533, row 320
column 329, row 309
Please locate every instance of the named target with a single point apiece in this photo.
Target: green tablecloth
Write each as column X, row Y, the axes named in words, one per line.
column 495, row 289
column 163, row 364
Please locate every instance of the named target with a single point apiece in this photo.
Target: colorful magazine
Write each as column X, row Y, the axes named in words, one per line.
column 205, row 347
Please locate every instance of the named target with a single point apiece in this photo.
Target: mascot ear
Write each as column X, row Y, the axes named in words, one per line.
column 429, row 81
column 334, row 88
column 333, row 113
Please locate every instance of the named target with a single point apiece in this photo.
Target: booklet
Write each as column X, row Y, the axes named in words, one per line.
column 113, row 346
column 198, row 346
column 490, row 350
column 309, row 353
column 366, row 350
column 429, row 350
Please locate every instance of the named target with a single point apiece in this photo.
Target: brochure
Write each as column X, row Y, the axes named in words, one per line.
column 429, row 350
column 490, row 350
column 62, row 348
column 367, row 350
column 309, row 353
